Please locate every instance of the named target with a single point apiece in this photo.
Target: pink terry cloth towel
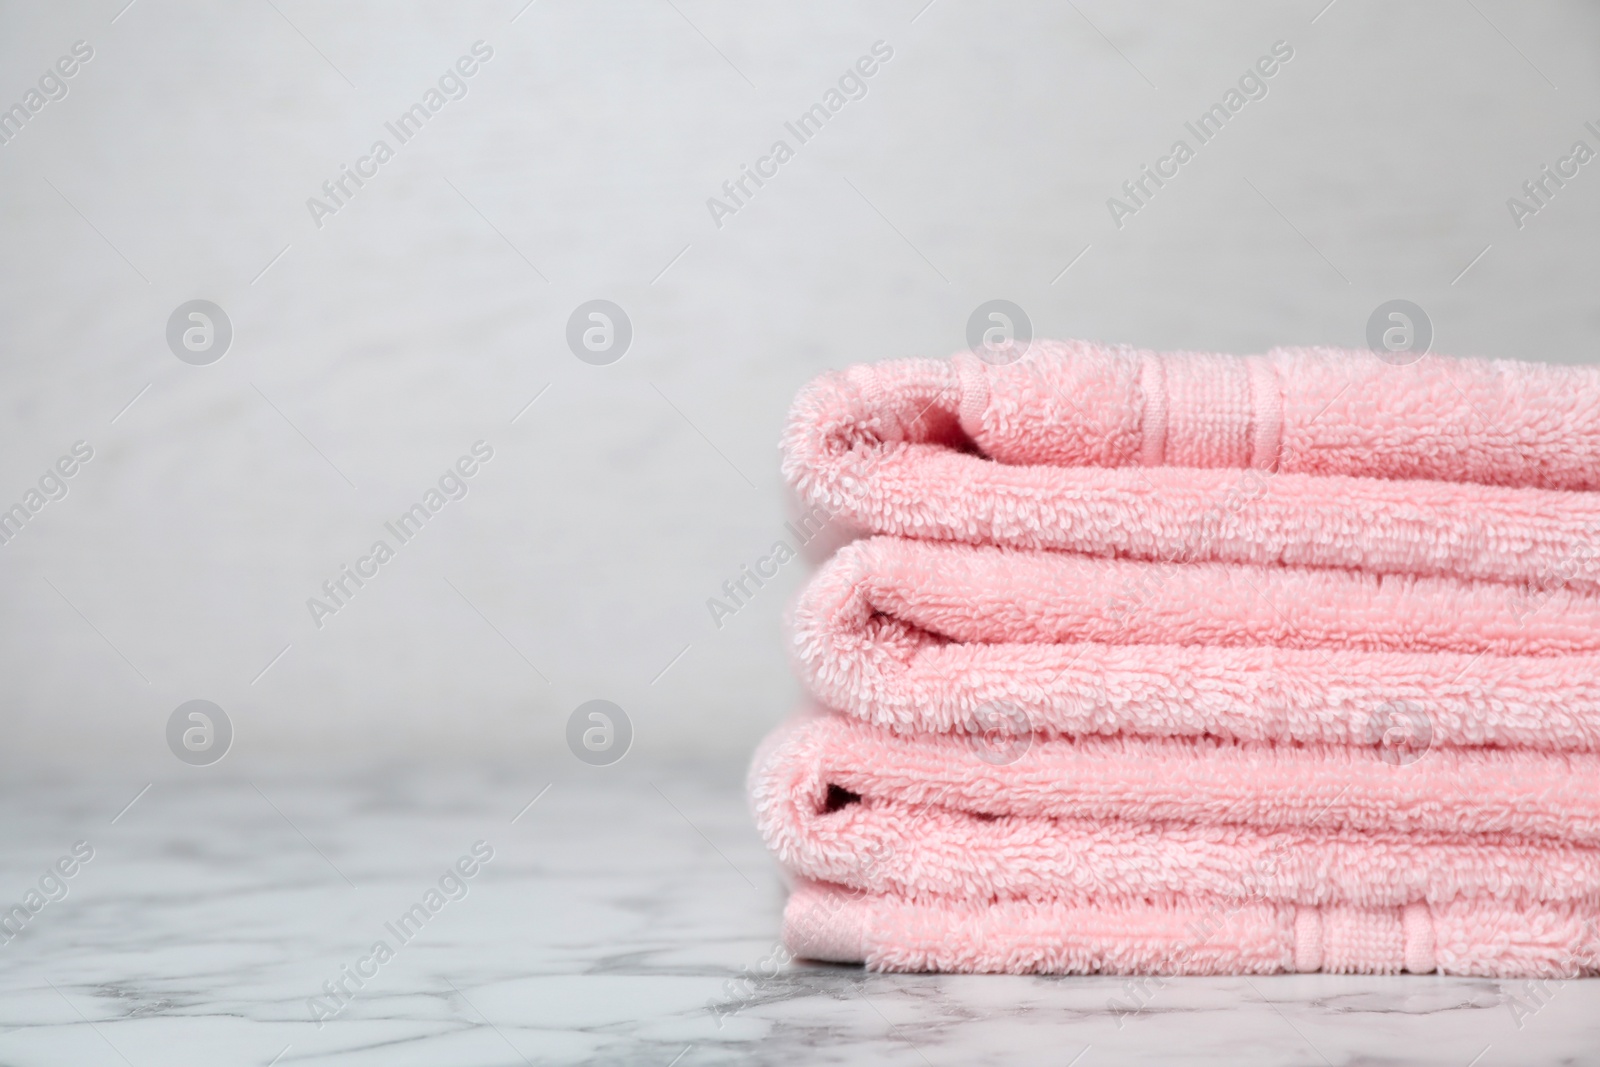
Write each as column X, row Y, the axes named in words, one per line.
column 1191, row 936
column 1189, row 663
column 1313, row 457
column 925, row 636
column 1094, row 855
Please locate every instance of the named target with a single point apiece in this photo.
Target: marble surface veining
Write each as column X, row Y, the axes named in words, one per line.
column 622, row 917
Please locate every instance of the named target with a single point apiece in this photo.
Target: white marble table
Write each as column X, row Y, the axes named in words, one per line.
column 623, row 918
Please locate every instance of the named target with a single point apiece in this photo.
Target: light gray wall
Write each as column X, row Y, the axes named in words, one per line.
column 432, row 307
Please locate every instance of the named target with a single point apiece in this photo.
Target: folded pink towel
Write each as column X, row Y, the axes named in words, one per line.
column 940, row 636
column 1190, row 935
column 1185, row 663
column 828, row 791
column 1096, row 855
column 1060, row 450
column 1294, row 410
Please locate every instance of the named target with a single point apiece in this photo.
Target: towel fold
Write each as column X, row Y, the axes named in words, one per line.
column 839, row 801
column 1192, row 935
column 917, row 449
column 1318, row 410
column 931, row 636
column 917, row 854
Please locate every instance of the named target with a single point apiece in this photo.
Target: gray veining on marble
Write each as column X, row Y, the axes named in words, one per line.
column 626, row 917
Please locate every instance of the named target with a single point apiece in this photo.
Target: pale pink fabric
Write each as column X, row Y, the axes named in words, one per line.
column 937, row 815
column 1119, row 690
column 1070, row 860
column 1189, row 935
column 930, row 636
column 1045, row 453
column 1297, row 410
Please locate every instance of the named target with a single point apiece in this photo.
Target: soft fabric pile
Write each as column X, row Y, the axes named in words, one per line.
column 1185, row 663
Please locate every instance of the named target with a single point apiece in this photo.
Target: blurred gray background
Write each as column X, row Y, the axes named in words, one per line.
column 368, row 354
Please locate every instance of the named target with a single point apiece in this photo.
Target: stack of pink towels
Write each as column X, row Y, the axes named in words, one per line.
column 1186, row 663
